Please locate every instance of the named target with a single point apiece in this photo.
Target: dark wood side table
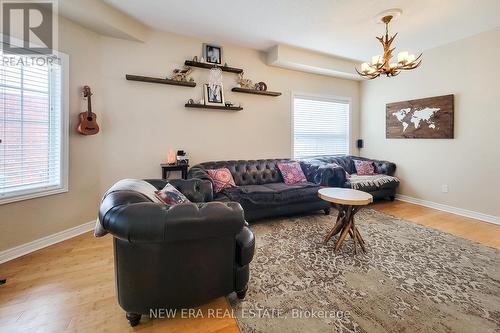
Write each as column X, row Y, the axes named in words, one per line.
column 165, row 168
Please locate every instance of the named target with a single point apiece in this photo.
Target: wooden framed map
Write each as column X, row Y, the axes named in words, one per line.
column 426, row 118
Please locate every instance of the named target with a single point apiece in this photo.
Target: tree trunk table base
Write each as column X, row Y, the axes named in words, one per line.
column 345, row 224
column 348, row 202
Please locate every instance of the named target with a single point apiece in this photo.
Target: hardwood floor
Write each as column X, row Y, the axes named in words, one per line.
column 475, row 230
column 70, row 286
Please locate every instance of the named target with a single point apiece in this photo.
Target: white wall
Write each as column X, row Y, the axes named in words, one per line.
column 469, row 163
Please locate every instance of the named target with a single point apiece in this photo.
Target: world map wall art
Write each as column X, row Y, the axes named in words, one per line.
column 426, row 118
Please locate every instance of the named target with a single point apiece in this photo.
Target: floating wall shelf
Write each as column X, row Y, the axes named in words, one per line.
column 158, row 80
column 256, row 92
column 203, row 106
column 209, row 66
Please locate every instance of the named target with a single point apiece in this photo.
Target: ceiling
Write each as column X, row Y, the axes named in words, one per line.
column 344, row 28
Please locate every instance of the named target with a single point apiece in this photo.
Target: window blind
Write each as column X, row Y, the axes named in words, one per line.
column 30, row 128
column 320, row 126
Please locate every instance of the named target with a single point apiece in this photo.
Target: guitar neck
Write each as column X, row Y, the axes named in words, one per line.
column 89, row 105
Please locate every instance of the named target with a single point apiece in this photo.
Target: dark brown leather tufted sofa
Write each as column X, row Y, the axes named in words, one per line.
column 262, row 193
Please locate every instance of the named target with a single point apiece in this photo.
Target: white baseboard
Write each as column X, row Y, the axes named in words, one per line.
column 450, row 209
column 40, row 243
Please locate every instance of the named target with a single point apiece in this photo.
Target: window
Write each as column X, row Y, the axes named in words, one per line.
column 320, row 126
column 33, row 128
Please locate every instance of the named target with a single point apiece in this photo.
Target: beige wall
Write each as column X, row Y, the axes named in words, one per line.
column 140, row 121
column 24, row 221
column 469, row 164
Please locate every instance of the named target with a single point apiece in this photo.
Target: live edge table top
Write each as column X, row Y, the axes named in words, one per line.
column 345, row 196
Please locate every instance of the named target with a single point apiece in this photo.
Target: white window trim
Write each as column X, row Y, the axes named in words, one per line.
column 64, row 186
column 329, row 98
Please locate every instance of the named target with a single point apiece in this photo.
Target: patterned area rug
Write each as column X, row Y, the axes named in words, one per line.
column 412, row 279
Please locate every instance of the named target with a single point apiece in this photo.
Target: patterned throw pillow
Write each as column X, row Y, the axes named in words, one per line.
column 171, row 196
column 292, row 173
column 364, row 168
column 335, row 165
column 221, row 178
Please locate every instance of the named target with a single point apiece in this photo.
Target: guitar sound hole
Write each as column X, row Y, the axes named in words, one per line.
column 89, row 118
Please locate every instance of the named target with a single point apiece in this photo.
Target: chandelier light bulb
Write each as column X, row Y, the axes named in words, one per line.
column 403, row 57
column 376, row 60
column 365, row 68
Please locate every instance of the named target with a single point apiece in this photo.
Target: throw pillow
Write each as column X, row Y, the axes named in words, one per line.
column 364, row 168
column 171, row 196
column 292, row 173
column 221, row 178
column 335, row 165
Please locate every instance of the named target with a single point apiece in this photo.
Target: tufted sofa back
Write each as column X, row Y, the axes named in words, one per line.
column 251, row 172
column 347, row 162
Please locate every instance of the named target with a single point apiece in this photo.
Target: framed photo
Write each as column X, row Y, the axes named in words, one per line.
column 212, row 54
column 214, row 96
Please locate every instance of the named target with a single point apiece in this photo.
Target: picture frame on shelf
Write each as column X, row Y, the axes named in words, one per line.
column 214, row 96
column 212, row 54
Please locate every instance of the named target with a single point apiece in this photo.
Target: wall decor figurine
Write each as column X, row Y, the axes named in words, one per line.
column 213, row 95
column 244, row 83
column 181, row 74
column 212, row 54
column 195, row 58
column 426, row 118
column 261, row 86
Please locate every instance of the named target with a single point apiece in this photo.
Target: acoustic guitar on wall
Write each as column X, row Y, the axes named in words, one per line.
column 88, row 120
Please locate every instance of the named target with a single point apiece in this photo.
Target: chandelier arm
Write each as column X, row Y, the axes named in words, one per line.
column 369, row 76
column 373, row 76
column 389, row 42
column 414, row 64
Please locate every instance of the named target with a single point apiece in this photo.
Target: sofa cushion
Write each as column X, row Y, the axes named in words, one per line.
column 373, row 182
column 272, row 193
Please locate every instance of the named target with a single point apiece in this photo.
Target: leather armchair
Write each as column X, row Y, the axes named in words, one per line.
column 176, row 256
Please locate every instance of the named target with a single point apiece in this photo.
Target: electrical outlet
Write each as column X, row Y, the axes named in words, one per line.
column 444, row 188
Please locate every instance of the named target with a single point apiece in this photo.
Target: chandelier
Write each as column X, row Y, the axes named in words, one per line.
column 381, row 64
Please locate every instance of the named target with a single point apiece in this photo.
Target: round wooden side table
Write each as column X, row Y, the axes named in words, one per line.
column 348, row 202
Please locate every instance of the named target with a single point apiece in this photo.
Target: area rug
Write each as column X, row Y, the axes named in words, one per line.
column 412, row 279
